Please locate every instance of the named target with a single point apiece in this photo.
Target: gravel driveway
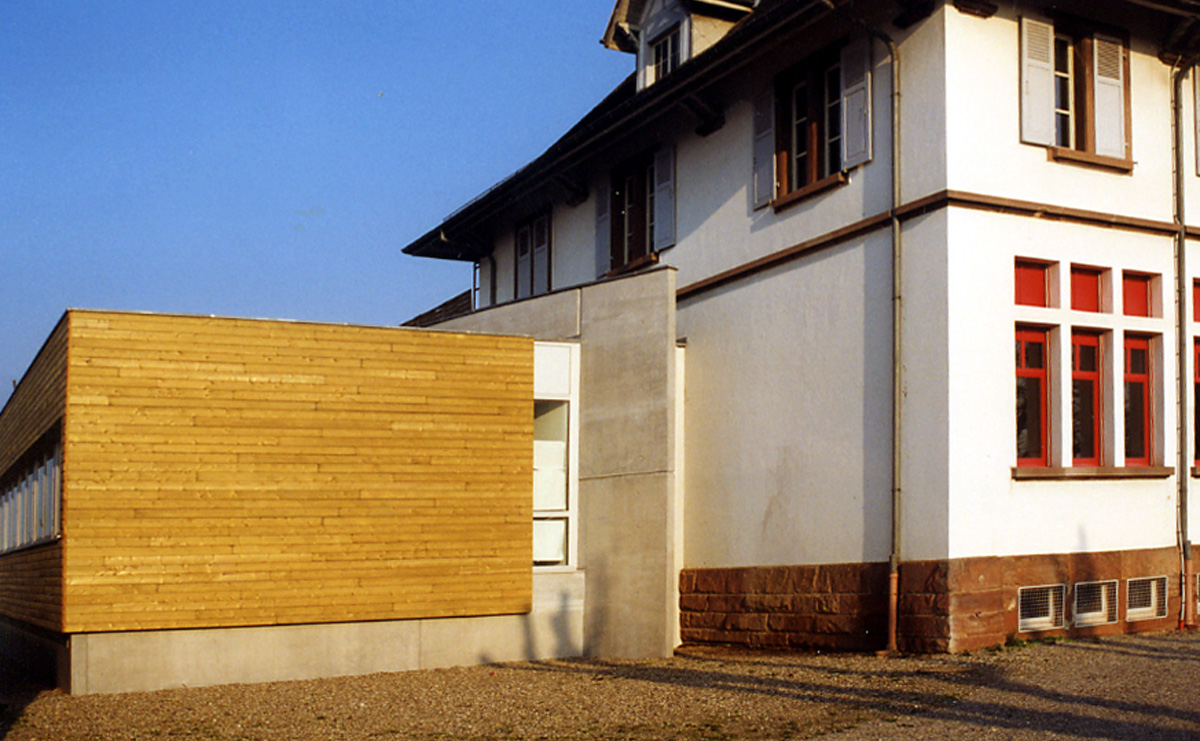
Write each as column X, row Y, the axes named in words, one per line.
column 1143, row 687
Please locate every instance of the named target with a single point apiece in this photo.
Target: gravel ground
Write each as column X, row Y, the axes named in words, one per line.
column 1144, row 687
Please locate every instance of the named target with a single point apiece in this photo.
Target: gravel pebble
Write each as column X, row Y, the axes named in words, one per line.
column 1125, row 687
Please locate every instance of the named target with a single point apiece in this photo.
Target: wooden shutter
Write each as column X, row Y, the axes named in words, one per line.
column 856, row 103
column 603, row 227
column 1037, row 82
column 664, row 198
column 764, row 149
column 1108, row 67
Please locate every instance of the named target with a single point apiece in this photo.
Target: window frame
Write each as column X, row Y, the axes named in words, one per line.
column 669, row 41
column 1024, row 335
column 31, row 495
column 526, row 270
column 1099, row 105
column 776, row 181
column 1144, row 343
column 556, row 381
column 813, row 75
column 640, row 218
column 1081, row 338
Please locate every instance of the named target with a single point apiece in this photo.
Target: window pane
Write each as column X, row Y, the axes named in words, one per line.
column 1084, row 413
column 550, row 455
column 1085, row 357
column 1034, row 352
column 549, row 542
column 1135, row 419
column 1029, row 418
column 1137, row 361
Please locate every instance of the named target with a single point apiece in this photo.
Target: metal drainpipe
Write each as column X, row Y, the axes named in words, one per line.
column 1187, row 611
column 897, row 366
column 897, row 325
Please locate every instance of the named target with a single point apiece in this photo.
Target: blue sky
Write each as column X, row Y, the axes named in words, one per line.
column 265, row 159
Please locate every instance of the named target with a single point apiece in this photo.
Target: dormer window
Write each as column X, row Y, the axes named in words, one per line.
column 664, row 54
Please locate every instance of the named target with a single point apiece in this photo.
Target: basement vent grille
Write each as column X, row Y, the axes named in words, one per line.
column 1146, row 599
column 1095, row 602
column 1040, row 608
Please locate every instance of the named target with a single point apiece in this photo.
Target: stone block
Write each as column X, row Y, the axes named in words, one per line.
column 928, row 577
column 727, row 603
column 687, row 581
column 710, row 581
column 749, row 622
column 924, row 604
column 926, row 626
column 693, row 602
column 975, row 574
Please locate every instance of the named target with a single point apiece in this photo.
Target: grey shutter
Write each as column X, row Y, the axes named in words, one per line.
column 664, row 198
column 603, row 227
column 541, row 255
column 764, row 148
column 1037, row 82
column 856, row 103
column 1108, row 66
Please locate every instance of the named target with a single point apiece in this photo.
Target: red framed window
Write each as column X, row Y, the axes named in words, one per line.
column 1138, row 421
column 1031, row 283
column 1085, row 398
column 1085, row 289
column 1032, row 397
column 1196, row 301
column 1196, row 398
column 1135, row 290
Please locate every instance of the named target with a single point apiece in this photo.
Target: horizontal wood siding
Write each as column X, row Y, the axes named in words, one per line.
column 31, row 579
column 37, row 402
column 31, row 585
column 237, row 472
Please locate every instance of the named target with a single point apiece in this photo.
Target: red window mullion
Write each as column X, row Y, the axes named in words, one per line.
column 1086, row 410
column 1032, row 398
column 1196, row 398
column 1138, row 422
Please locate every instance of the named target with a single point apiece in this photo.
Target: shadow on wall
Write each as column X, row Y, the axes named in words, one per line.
column 535, row 643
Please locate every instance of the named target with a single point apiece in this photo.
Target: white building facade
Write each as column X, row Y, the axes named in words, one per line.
column 862, row 209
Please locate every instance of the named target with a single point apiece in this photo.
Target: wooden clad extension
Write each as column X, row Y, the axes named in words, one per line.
column 228, row 472
column 31, row 579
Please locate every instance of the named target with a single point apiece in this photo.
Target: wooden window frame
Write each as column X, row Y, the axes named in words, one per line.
column 1081, row 145
column 1196, row 400
column 1145, row 408
column 632, row 236
column 667, row 42
column 1024, row 336
column 1094, row 431
column 820, row 170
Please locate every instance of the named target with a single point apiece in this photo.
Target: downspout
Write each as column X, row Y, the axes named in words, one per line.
column 897, row 326
column 897, row 365
column 1187, row 610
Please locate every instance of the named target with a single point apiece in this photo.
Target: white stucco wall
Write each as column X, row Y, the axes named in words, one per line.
column 788, row 413
column 985, row 154
column 991, row 513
